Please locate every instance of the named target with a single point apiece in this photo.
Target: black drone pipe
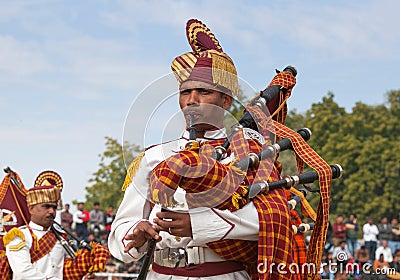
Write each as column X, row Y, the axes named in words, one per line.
column 303, row 228
column 271, row 150
column 291, row 181
column 82, row 243
column 247, row 119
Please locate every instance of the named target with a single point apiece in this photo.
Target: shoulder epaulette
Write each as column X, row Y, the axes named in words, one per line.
column 131, row 171
column 14, row 232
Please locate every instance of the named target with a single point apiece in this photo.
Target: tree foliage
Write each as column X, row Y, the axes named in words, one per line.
column 365, row 142
column 105, row 185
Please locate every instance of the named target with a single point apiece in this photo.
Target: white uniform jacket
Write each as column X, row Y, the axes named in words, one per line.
column 207, row 224
column 48, row 267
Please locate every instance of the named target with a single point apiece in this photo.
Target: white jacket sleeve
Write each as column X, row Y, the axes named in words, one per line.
column 20, row 261
column 134, row 207
column 212, row 224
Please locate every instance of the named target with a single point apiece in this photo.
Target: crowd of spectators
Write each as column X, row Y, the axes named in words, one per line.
column 372, row 248
column 94, row 225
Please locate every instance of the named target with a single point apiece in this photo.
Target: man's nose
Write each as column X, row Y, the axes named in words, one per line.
column 52, row 210
column 193, row 97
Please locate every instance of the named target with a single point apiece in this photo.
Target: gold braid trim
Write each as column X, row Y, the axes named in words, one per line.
column 132, row 168
column 236, row 197
column 224, row 72
column 14, row 232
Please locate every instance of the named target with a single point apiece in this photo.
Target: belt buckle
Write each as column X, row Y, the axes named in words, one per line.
column 175, row 257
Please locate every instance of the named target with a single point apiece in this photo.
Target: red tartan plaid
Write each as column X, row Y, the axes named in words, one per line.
column 309, row 156
column 46, row 244
column 275, row 228
column 207, row 182
column 5, row 269
column 86, row 262
column 299, row 245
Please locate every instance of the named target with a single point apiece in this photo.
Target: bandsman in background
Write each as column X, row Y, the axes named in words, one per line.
column 39, row 250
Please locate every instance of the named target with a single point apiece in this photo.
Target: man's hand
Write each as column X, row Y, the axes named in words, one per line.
column 178, row 224
column 143, row 232
column 89, row 276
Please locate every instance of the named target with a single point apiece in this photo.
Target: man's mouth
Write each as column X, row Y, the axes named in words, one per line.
column 194, row 115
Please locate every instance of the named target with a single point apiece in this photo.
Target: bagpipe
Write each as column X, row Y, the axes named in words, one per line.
column 252, row 174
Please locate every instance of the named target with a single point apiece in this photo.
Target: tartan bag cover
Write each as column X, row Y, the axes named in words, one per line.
column 210, row 183
column 86, row 262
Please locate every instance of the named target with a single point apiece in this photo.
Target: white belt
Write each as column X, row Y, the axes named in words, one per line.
column 181, row 257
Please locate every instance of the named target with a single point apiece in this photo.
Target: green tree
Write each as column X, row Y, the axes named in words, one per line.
column 365, row 143
column 105, row 185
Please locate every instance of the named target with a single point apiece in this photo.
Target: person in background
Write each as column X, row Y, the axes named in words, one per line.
column 96, row 219
column 362, row 255
column 81, row 218
column 352, row 233
column 341, row 254
column 380, row 268
column 66, row 217
column 339, row 231
column 36, row 251
column 395, row 263
column 385, row 251
column 394, row 243
column 109, row 217
column 370, row 236
column 385, row 230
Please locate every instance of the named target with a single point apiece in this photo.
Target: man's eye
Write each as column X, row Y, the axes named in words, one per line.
column 205, row 91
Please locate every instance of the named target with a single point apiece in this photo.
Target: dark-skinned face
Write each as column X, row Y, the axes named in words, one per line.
column 206, row 103
column 43, row 214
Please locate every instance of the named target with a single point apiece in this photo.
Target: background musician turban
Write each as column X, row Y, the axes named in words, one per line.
column 47, row 188
column 43, row 194
column 207, row 62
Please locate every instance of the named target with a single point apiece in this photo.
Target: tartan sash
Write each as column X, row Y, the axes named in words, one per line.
column 42, row 247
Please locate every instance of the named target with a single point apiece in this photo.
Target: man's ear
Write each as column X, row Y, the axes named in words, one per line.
column 226, row 101
column 31, row 208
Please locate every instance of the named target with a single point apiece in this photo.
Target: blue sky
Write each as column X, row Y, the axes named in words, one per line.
column 71, row 70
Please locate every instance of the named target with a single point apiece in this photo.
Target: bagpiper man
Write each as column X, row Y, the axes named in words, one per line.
column 213, row 231
column 37, row 250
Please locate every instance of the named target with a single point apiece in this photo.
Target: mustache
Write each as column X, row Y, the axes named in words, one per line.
column 191, row 111
column 51, row 216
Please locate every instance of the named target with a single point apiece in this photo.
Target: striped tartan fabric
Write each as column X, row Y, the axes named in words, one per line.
column 207, row 182
column 275, row 237
column 46, row 244
column 310, row 157
column 299, row 246
column 86, row 262
column 5, row 184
